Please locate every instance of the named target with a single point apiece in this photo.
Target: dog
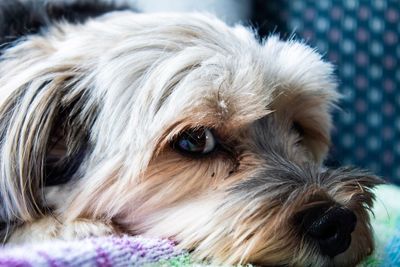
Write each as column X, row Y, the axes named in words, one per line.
column 175, row 126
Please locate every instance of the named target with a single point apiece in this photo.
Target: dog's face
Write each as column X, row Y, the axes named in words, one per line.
column 191, row 130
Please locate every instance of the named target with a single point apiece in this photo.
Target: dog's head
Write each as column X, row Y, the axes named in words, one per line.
column 179, row 126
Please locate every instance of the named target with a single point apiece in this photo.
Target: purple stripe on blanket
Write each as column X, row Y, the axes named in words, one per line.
column 51, row 262
column 102, row 259
column 99, row 252
column 14, row 262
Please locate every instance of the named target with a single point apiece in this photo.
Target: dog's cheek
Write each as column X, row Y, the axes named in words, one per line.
column 223, row 229
column 172, row 179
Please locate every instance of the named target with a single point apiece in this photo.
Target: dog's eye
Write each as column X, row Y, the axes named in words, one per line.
column 198, row 141
column 298, row 128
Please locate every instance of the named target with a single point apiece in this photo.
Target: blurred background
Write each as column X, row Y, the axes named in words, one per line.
column 361, row 37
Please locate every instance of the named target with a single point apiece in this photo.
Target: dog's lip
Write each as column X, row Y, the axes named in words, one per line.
column 172, row 239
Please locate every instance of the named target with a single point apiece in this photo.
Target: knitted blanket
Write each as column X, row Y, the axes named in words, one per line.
column 386, row 225
column 103, row 251
column 141, row 251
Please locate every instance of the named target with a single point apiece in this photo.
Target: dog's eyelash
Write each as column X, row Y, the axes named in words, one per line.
column 196, row 142
column 298, row 128
column 219, row 145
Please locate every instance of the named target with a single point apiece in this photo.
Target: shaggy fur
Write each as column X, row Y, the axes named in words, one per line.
column 95, row 109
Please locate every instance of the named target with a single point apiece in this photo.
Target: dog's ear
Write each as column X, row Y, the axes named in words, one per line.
column 42, row 130
column 306, row 91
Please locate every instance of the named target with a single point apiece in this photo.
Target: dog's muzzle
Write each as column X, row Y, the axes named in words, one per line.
column 330, row 228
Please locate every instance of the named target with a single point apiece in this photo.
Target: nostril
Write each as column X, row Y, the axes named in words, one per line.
column 331, row 228
column 332, row 222
column 322, row 230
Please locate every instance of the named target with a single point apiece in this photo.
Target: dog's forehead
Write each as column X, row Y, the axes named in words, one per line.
column 195, row 68
column 244, row 84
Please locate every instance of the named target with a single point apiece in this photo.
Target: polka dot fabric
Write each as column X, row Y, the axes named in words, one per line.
column 361, row 38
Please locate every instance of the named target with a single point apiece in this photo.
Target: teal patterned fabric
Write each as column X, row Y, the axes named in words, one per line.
column 361, row 37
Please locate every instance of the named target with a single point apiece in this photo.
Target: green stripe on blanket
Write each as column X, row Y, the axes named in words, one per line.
column 186, row 261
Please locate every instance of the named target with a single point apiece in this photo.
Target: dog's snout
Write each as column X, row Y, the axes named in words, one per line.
column 330, row 227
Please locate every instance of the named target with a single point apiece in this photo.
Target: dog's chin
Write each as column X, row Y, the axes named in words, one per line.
column 236, row 235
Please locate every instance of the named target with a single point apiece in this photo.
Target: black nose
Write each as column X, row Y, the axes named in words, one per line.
column 330, row 227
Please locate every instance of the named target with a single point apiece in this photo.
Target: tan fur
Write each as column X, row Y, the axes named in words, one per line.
column 123, row 87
